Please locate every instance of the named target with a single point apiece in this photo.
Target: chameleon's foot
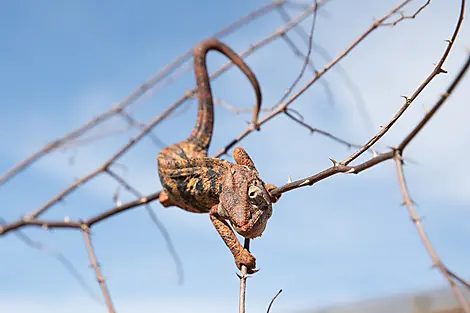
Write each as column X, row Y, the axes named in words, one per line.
column 269, row 188
column 163, row 198
column 247, row 259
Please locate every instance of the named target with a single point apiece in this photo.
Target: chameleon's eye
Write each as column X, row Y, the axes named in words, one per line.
column 255, row 192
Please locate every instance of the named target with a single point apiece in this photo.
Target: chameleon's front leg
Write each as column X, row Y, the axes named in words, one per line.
column 240, row 254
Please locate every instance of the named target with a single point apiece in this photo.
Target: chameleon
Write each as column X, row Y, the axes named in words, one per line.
column 231, row 193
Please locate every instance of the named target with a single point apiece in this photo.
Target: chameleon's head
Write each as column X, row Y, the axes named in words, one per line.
column 244, row 201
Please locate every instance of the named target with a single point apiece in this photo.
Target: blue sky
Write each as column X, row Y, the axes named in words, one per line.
column 345, row 239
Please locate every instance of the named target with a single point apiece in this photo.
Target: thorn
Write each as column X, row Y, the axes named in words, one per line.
column 305, row 182
column 335, row 163
column 351, row 171
column 441, row 70
column 67, row 219
column 289, row 179
column 143, row 200
column 448, row 41
column 238, row 275
column 374, row 153
column 44, row 226
column 407, row 100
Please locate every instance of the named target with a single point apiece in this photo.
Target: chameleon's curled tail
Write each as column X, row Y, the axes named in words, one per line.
column 202, row 133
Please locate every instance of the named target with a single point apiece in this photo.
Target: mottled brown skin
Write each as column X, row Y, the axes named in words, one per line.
column 227, row 191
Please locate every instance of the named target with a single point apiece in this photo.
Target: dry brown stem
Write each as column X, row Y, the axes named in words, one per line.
column 95, row 265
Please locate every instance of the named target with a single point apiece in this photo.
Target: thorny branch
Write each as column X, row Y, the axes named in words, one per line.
column 96, row 268
column 409, row 202
column 342, row 167
column 408, row 100
column 243, row 277
column 323, row 53
column 164, row 77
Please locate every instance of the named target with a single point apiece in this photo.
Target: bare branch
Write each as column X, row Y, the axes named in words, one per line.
column 96, row 267
column 160, row 226
column 272, row 301
column 406, row 17
column 436, row 71
column 422, row 234
column 65, row 262
column 317, row 130
column 243, row 277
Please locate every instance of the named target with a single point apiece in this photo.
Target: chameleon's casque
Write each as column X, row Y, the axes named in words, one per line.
column 227, row 191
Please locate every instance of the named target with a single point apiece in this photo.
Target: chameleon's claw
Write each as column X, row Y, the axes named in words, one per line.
column 247, row 259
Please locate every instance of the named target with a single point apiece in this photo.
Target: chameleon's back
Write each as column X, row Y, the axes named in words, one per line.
column 189, row 178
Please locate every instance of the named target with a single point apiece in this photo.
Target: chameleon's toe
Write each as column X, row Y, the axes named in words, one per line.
column 247, row 259
column 164, row 199
column 269, row 188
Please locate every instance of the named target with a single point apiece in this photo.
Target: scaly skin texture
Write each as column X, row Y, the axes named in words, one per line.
column 230, row 193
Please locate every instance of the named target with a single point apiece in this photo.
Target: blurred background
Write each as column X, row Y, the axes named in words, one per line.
column 343, row 245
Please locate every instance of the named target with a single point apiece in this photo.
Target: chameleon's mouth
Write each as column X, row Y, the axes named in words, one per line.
column 255, row 225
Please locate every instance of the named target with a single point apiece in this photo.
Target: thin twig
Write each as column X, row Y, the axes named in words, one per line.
column 323, row 53
column 319, row 131
column 406, row 17
column 66, row 263
column 306, row 57
column 458, row 278
column 96, row 267
column 161, row 227
column 243, row 277
column 422, row 234
column 408, row 100
column 272, row 301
